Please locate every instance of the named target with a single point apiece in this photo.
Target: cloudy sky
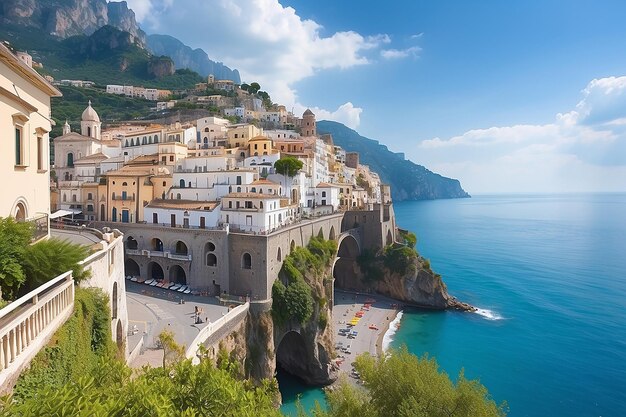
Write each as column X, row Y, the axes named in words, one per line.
column 526, row 96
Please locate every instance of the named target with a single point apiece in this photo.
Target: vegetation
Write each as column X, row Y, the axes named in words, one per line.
column 302, row 271
column 409, row 238
column 399, row 259
column 24, row 267
column 74, row 351
column 400, row 384
column 288, row 166
column 172, row 351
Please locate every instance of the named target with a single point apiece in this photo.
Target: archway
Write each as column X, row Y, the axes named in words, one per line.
column 292, row 246
column 291, row 356
column 344, row 269
column 20, row 212
column 131, row 243
column 246, row 261
column 331, row 235
column 131, row 268
column 156, row 244
column 181, row 248
column 279, row 255
column 211, row 259
column 155, row 271
column 177, row 275
column 389, row 239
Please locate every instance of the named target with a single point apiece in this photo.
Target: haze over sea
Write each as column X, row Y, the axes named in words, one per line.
column 549, row 273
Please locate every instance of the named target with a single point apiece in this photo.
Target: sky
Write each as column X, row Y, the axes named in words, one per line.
column 522, row 97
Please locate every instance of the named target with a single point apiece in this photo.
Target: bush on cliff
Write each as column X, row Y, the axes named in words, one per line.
column 400, row 384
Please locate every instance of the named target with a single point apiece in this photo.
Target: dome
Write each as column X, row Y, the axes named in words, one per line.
column 90, row 115
column 308, row 112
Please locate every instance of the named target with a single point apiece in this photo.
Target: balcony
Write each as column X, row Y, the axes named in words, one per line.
column 159, row 254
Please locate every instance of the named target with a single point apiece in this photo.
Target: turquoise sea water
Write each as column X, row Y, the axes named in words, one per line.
column 551, row 270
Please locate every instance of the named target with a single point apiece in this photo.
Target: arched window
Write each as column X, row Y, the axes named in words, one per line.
column 64, row 198
column 89, row 196
column 182, row 183
column 156, row 139
column 114, row 214
column 124, row 184
column 181, row 248
column 114, row 301
column 178, row 196
column 246, row 261
column 70, row 159
column 211, row 259
column 292, row 246
column 131, row 243
column 261, row 205
column 279, row 255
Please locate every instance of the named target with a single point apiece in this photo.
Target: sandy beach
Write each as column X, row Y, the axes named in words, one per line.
column 370, row 329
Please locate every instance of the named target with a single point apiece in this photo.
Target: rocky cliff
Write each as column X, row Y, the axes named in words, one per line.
column 159, row 67
column 194, row 59
column 65, row 18
column 400, row 273
column 409, row 181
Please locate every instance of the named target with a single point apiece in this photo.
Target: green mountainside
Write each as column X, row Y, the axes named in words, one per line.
column 108, row 56
column 408, row 180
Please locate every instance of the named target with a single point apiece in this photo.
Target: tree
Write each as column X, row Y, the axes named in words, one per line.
column 400, row 384
column 244, row 87
column 172, row 351
column 14, row 239
column 254, row 87
column 288, row 166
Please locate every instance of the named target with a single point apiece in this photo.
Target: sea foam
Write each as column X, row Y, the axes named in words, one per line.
column 391, row 331
column 488, row 314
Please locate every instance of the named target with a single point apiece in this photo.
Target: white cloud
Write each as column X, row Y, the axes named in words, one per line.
column 267, row 42
column 582, row 150
column 413, row 51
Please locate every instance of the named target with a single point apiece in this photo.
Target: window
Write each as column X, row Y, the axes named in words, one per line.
column 171, row 158
column 246, row 261
column 40, row 151
column 74, row 198
column 70, row 159
column 155, row 218
column 124, row 184
column 211, row 259
column 323, row 193
column 89, row 196
column 164, row 183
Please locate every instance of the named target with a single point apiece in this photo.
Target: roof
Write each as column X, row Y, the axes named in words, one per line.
column 183, row 204
column 90, row 115
column 308, row 112
column 92, row 158
column 259, row 138
column 111, row 142
column 325, row 185
column 27, row 72
column 74, row 137
column 263, row 181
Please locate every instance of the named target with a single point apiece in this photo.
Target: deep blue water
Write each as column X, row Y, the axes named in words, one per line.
column 553, row 268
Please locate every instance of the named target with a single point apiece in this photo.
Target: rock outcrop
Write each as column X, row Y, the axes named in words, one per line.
column 159, row 67
column 194, row 59
column 66, row 18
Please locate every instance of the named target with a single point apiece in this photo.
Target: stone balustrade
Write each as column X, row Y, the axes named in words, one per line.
column 27, row 324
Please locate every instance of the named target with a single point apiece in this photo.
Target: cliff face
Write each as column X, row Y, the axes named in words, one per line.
column 194, row 59
column 65, row 18
column 159, row 67
column 409, row 181
column 416, row 285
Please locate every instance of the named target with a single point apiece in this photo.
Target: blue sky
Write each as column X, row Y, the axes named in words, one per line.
column 524, row 96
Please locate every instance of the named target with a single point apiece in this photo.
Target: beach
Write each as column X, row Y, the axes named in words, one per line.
column 377, row 313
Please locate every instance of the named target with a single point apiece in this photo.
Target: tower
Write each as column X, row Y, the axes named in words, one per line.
column 66, row 128
column 90, row 123
column 308, row 123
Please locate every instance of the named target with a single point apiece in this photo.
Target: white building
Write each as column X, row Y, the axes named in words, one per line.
column 253, row 212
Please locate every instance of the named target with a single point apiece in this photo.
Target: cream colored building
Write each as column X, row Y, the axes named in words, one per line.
column 24, row 162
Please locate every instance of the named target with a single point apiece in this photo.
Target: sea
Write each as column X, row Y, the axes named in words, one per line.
column 548, row 274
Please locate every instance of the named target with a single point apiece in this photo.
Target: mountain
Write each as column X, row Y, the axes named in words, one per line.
column 408, row 180
column 195, row 59
column 66, row 18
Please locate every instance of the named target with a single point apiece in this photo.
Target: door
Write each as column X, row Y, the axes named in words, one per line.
column 125, row 216
column 114, row 215
column 173, row 220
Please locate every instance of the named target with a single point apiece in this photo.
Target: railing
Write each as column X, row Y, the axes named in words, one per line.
column 40, row 227
column 159, row 254
column 219, row 328
column 27, row 324
column 122, row 198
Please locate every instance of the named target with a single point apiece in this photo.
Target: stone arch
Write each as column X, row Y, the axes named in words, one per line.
column 389, row 239
column 155, row 271
column 291, row 355
column 20, row 213
column 320, row 234
column 279, row 255
column 181, row 248
column 292, row 246
column 156, row 244
column 177, row 275
column 246, row 261
column 131, row 268
column 331, row 235
column 131, row 243
column 114, row 301
column 345, row 266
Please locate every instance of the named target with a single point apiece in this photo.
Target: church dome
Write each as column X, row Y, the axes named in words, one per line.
column 90, row 115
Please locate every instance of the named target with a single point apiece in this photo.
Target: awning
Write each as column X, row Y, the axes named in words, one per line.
column 61, row 213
